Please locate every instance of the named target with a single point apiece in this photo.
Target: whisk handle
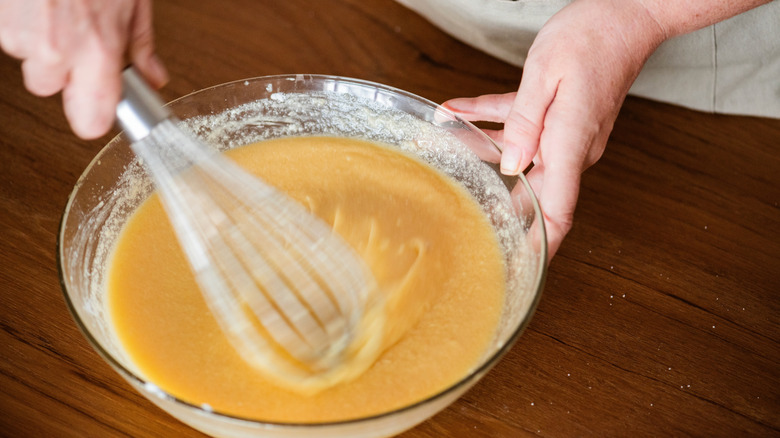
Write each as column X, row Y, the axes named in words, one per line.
column 140, row 109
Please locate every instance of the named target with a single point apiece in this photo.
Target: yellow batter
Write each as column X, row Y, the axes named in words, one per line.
column 426, row 240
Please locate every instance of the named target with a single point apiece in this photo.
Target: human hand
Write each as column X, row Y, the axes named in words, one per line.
column 576, row 76
column 79, row 48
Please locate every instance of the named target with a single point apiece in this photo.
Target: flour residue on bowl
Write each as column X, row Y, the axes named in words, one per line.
column 374, row 115
column 335, row 114
column 432, row 252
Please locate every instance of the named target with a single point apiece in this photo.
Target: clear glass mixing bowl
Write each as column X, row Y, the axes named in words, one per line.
column 242, row 112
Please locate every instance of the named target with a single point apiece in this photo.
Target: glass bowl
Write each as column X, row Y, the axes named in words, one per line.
column 242, row 112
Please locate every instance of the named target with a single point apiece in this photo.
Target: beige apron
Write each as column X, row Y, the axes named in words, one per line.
column 731, row 67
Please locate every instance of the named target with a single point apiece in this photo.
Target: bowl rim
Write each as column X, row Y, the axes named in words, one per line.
column 462, row 383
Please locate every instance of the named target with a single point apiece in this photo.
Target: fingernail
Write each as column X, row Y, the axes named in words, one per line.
column 454, row 105
column 85, row 118
column 510, row 160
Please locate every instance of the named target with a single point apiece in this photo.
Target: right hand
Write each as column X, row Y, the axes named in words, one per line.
column 79, row 48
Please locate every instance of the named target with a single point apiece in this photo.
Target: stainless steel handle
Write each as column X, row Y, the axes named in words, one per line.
column 140, row 109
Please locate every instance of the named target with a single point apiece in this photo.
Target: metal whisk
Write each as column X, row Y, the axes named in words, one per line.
column 287, row 291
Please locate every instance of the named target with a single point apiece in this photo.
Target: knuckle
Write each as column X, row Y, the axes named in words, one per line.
column 561, row 224
column 518, row 125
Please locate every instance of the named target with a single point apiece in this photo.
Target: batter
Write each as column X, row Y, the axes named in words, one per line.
column 426, row 240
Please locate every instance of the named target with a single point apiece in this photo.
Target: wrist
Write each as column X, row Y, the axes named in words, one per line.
column 676, row 18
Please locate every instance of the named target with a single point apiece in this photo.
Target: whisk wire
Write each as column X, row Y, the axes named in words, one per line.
column 272, row 265
column 288, row 292
column 286, row 270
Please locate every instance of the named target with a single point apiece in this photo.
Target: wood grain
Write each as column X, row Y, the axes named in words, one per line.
column 660, row 313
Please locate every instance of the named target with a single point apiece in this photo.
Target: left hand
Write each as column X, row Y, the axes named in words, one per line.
column 576, row 77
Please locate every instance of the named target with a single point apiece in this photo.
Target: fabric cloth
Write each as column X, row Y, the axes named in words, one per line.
column 731, row 67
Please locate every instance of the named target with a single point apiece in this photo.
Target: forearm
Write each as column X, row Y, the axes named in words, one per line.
column 678, row 17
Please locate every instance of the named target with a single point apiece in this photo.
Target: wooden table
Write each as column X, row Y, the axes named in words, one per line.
column 660, row 313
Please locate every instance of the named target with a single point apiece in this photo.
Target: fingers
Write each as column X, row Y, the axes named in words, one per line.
column 556, row 181
column 141, row 46
column 94, row 87
column 91, row 96
column 486, row 108
column 565, row 145
column 93, row 92
column 46, row 73
column 16, row 33
column 524, row 125
column 78, row 48
column 496, row 135
column 41, row 47
column 522, row 113
column 42, row 78
column 557, row 190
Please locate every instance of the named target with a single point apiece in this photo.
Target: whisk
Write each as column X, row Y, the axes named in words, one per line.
column 286, row 290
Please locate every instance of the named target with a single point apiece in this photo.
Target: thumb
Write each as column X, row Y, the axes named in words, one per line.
column 525, row 122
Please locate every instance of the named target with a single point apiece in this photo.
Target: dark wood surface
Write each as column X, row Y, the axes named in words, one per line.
column 660, row 313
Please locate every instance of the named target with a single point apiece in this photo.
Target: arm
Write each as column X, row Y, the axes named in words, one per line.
column 576, row 77
column 680, row 17
column 79, row 47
